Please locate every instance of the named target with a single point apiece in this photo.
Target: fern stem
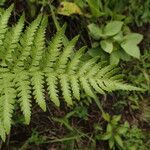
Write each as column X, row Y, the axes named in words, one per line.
column 65, row 39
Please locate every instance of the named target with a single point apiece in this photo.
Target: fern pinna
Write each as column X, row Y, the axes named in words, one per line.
column 27, row 64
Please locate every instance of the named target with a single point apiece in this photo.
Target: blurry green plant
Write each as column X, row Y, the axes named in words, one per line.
column 137, row 11
column 134, row 139
column 94, row 8
column 124, row 100
column 139, row 73
column 122, row 136
column 116, row 40
column 145, row 110
column 35, row 138
column 130, row 11
column 140, row 11
column 74, row 134
column 114, row 131
column 79, row 111
column 2, row 2
column 37, row 6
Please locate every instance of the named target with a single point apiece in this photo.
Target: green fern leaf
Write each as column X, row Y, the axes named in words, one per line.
column 24, row 90
column 75, row 86
column 54, row 49
column 103, row 71
column 87, row 87
column 96, row 87
column 65, row 86
column 64, row 56
column 7, row 99
column 94, row 70
column 52, row 82
column 38, row 46
column 124, row 86
column 106, row 85
column 27, row 41
column 12, row 41
column 73, row 65
column 3, row 23
column 86, row 66
column 2, row 131
column 37, row 81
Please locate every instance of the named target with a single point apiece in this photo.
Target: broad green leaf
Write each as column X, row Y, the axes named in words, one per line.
column 82, row 4
column 106, row 136
column 122, row 130
column 68, row 8
column 111, row 143
column 118, row 37
column 126, row 124
column 116, row 118
column 106, row 116
column 95, row 31
column 119, row 140
column 113, row 28
column 133, row 147
column 123, row 55
column 97, row 51
column 94, row 52
column 109, row 128
column 114, row 58
column 131, row 49
column 135, row 38
column 107, row 46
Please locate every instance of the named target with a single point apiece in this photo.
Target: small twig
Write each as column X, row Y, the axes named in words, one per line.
column 8, row 140
column 1, row 142
column 57, row 25
column 24, row 146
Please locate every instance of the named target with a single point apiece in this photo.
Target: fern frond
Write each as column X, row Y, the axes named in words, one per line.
column 29, row 66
